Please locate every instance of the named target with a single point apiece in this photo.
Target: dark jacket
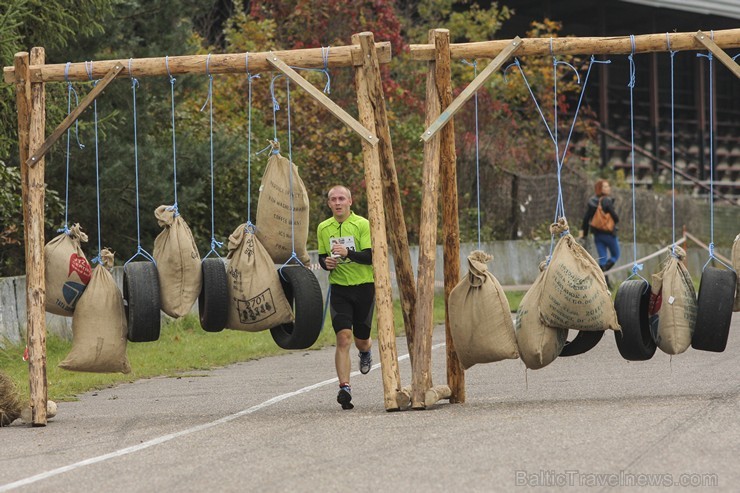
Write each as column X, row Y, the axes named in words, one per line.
column 607, row 203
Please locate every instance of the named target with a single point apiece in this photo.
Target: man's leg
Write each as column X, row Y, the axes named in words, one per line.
column 341, row 356
column 364, row 308
column 341, row 361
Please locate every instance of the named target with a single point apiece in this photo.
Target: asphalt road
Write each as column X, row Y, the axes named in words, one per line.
column 592, row 422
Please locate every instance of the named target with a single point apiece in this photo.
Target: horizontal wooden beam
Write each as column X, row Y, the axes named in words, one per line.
column 327, row 103
column 232, row 63
column 614, row 45
column 460, row 100
column 719, row 53
column 74, row 115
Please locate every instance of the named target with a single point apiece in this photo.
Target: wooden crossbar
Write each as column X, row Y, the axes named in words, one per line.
column 611, row 45
column 230, row 63
column 319, row 96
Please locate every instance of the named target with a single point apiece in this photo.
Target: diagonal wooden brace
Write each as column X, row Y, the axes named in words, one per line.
column 455, row 106
column 74, row 115
column 719, row 53
column 319, row 96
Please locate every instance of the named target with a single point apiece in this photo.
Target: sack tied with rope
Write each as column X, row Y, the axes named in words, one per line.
column 673, row 301
column 67, row 271
column 538, row 344
column 480, row 316
column 99, row 326
column 178, row 263
column 256, row 298
column 574, row 292
column 275, row 229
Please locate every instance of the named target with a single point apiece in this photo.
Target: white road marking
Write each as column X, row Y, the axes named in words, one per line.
column 166, row 438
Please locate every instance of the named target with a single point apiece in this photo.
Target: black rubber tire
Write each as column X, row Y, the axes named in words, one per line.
column 213, row 300
column 141, row 301
column 714, row 309
column 304, row 294
column 635, row 341
column 586, row 340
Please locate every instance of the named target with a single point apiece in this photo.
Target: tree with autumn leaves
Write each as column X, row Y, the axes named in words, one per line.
column 511, row 138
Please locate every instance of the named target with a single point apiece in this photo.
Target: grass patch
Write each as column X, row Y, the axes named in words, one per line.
column 182, row 347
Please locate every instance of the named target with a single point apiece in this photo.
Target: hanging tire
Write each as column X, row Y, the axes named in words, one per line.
column 714, row 309
column 141, row 301
column 585, row 341
column 213, row 300
column 635, row 341
column 304, row 294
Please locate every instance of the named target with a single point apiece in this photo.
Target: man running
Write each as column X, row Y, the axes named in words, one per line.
column 346, row 252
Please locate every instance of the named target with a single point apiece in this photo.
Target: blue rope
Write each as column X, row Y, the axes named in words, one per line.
column 139, row 249
column 560, row 159
column 635, row 267
column 250, row 227
column 326, row 307
column 89, row 69
column 174, row 206
column 673, row 148
column 325, row 70
column 275, row 106
column 66, row 186
column 711, row 161
column 209, row 101
column 474, row 64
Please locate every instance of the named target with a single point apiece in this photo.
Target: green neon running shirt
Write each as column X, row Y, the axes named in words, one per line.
column 354, row 233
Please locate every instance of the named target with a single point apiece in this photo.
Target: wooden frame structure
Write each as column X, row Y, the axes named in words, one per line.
column 30, row 74
column 439, row 158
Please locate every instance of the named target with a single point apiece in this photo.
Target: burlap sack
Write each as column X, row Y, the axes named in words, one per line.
column 99, row 325
column 178, row 263
column 574, row 292
column 736, row 266
column 274, row 213
column 673, row 299
column 538, row 344
column 256, row 298
column 480, row 316
column 67, row 271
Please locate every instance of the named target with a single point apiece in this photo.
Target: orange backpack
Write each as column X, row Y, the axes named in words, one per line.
column 602, row 221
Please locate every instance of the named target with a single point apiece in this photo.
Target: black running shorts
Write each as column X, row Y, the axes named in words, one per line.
column 352, row 307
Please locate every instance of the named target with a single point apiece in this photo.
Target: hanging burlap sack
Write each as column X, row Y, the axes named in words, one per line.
column 256, row 297
column 673, row 300
column 538, row 344
column 99, row 325
column 574, row 292
column 67, row 271
column 736, row 266
column 480, row 316
column 274, row 212
column 178, row 263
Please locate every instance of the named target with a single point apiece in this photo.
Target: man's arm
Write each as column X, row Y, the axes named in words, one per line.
column 362, row 257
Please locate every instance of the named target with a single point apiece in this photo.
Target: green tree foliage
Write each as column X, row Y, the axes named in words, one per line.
column 512, row 138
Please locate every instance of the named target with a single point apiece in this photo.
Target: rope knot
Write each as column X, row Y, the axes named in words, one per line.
column 560, row 227
column 637, row 268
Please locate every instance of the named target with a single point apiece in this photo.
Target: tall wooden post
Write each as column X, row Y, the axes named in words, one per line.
column 421, row 364
column 396, row 230
column 450, row 221
column 31, row 101
column 367, row 99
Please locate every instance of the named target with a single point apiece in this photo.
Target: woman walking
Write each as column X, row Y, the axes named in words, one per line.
column 607, row 243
